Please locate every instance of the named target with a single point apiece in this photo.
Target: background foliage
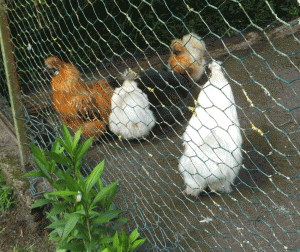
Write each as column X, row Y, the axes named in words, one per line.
column 85, row 32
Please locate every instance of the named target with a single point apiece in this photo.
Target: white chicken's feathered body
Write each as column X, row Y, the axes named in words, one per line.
column 212, row 156
column 131, row 116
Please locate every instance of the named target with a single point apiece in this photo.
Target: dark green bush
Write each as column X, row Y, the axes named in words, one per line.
column 88, row 31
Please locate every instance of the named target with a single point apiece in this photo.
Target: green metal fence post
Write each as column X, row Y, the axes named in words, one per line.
column 12, row 83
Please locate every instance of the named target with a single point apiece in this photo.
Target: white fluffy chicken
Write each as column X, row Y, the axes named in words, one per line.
column 142, row 100
column 131, row 116
column 212, row 141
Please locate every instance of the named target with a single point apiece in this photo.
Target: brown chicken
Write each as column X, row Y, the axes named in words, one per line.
column 79, row 103
column 187, row 57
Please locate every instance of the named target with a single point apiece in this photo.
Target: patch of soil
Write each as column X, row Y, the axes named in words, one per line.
column 18, row 229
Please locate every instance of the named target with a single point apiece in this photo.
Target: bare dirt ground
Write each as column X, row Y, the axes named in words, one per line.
column 17, row 227
column 262, row 212
column 19, row 231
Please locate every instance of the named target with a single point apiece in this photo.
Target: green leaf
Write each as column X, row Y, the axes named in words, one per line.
column 116, row 242
column 51, row 166
column 94, row 176
column 55, row 147
column 112, row 207
column 94, row 193
column 68, row 140
column 83, row 230
column 61, row 183
column 62, row 193
column 81, row 182
column 69, row 199
column 137, row 244
column 53, row 236
column 134, row 235
column 71, row 223
column 76, row 139
column 93, row 214
column 111, row 196
column 50, row 197
column 121, row 220
column 75, row 235
column 57, row 210
column 106, row 217
column 106, row 240
column 60, row 158
column 40, row 202
column 59, row 173
column 61, row 142
column 34, row 174
column 71, row 183
column 104, row 192
column 81, row 212
column 78, row 165
column 108, row 249
column 74, row 246
column 43, row 168
column 39, row 154
column 57, row 224
column 88, row 246
column 81, row 151
column 124, row 240
column 99, row 184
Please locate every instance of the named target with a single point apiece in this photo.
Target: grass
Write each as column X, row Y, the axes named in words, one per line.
column 2, row 229
column 28, row 249
column 18, row 249
column 6, row 197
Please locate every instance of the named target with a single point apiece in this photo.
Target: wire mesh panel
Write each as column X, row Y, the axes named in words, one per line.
column 137, row 75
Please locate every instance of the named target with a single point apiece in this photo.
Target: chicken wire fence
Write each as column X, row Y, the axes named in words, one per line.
column 104, row 38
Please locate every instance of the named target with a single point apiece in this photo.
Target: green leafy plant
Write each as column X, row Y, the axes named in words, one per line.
column 83, row 214
column 6, row 197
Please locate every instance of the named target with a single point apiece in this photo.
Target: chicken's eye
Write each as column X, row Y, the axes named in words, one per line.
column 176, row 52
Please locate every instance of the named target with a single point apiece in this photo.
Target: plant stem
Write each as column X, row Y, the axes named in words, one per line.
column 74, row 169
column 87, row 221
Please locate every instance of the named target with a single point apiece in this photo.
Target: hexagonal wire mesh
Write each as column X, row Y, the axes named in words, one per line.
column 104, row 38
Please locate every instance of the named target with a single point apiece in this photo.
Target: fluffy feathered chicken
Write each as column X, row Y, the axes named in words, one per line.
column 188, row 56
column 142, row 101
column 78, row 103
column 212, row 140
